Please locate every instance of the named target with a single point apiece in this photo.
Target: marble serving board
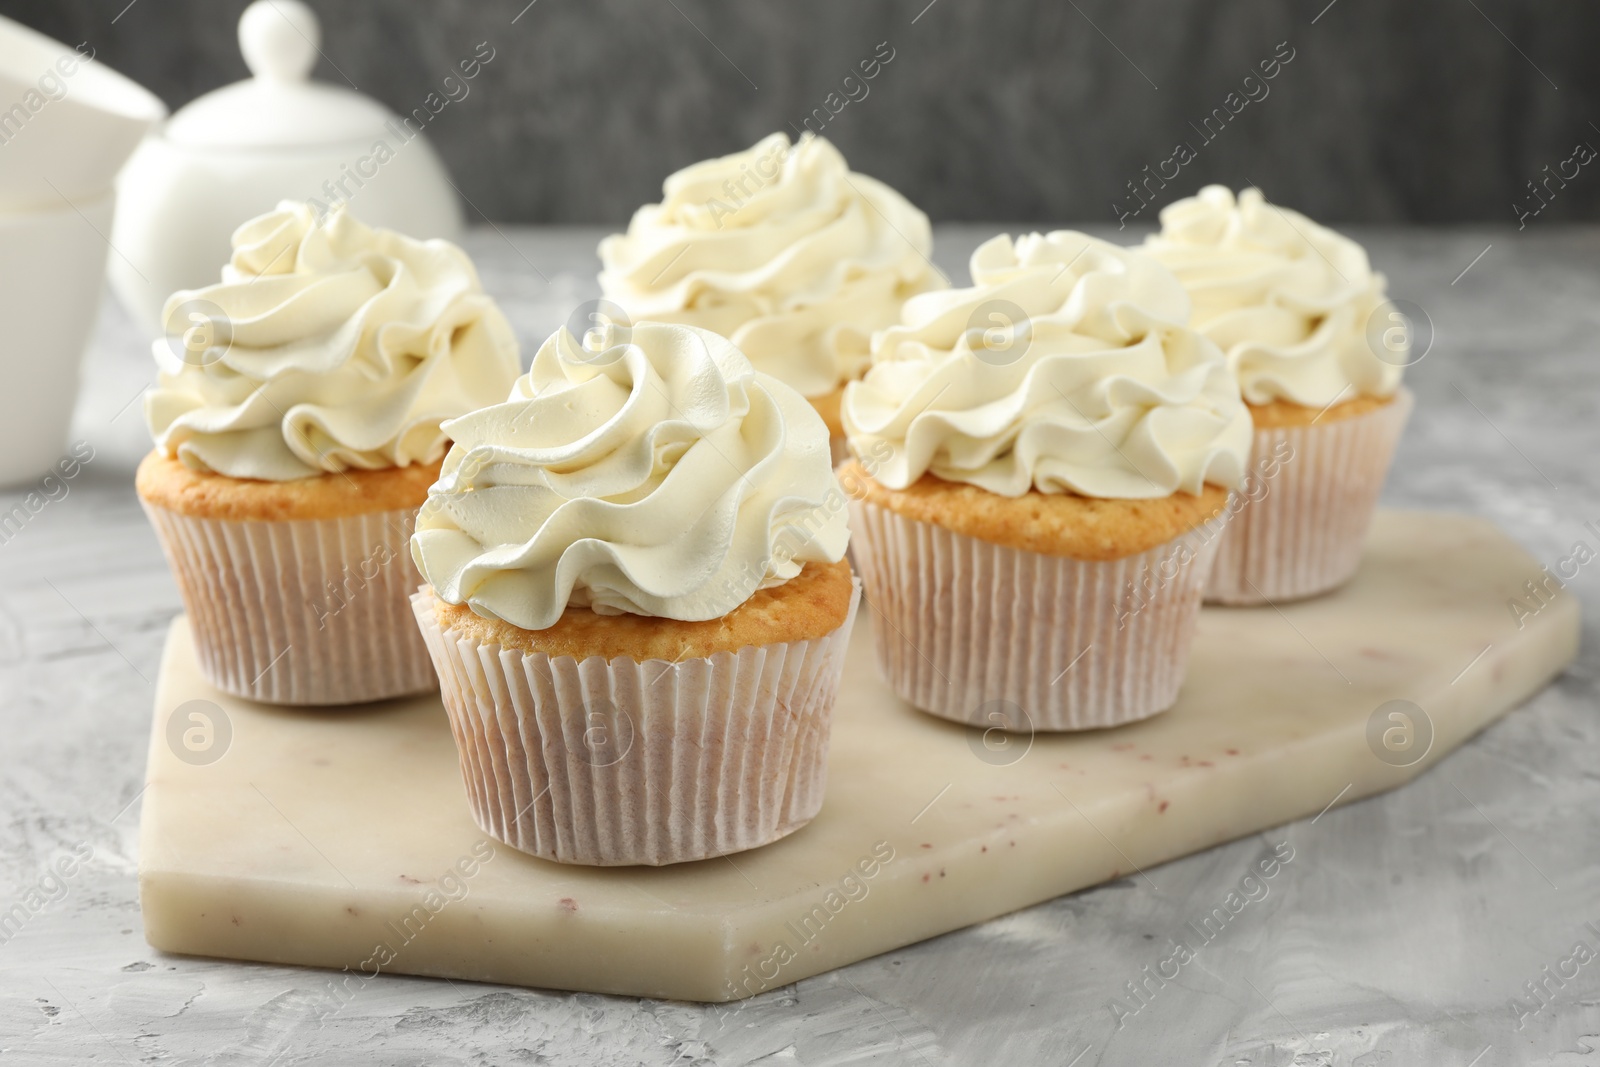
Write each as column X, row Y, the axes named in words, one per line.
column 341, row 839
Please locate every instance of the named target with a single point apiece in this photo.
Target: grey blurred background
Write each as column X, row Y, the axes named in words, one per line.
column 1022, row 110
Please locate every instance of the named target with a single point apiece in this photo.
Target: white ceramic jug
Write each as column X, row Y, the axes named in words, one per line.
column 67, row 124
column 234, row 153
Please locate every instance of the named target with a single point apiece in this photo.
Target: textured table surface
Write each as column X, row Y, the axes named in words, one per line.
column 1407, row 930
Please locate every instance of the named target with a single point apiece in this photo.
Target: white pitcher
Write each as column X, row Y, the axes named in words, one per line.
column 67, row 123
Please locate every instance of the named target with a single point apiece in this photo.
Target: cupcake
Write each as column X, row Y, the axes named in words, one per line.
column 637, row 601
column 1317, row 349
column 783, row 250
column 1043, row 465
column 297, row 429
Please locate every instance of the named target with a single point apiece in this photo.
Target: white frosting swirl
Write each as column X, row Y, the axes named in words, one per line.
column 1065, row 368
column 781, row 249
column 1287, row 300
column 655, row 472
column 349, row 346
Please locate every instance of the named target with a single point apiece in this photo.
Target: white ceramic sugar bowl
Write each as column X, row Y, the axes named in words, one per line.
column 232, row 154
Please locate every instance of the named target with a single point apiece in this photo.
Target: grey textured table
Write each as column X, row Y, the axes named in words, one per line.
column 1400, row 934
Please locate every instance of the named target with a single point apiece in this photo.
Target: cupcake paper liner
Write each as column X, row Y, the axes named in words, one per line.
column 303, row 611
column 619, row 762
column 989, row 635
column 1300, row 531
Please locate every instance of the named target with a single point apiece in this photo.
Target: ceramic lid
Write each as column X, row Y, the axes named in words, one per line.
column 280, row 107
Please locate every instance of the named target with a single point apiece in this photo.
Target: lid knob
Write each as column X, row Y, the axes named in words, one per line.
column 280, row 39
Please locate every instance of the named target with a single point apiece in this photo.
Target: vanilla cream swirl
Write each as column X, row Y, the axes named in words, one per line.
column 781, row 249
column 1287, row 300
column 328, row 345
column 654, row 472
column 1065, row 368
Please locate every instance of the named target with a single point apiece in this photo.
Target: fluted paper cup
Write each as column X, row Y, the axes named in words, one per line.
column 983, row 634
column 304, row 611
column 1300, row 531
column 620, row 762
